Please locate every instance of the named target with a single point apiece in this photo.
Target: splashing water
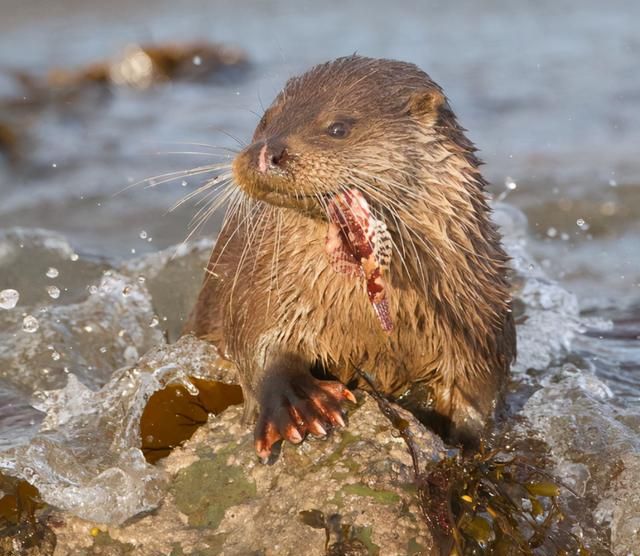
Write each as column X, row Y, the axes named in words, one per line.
column 86, row 457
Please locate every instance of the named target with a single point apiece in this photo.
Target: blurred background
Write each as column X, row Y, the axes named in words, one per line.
column 549, row 90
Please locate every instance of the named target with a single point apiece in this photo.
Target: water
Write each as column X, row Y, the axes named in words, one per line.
column 549, row 92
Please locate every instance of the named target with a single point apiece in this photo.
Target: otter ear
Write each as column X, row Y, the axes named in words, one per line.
column 426, row 104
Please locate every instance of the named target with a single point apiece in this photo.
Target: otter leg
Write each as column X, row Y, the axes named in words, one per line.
column 293, row 403
column 466, row 406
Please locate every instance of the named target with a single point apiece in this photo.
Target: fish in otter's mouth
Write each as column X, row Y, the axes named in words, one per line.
column 358, row 244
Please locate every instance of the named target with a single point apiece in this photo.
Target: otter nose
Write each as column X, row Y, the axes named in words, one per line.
column 273, row 154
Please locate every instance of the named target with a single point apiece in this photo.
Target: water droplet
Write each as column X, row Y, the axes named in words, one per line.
column 141, row 279
column 582, row 224
column 510, row 184
column 53, row 291
column 564, row 236
column 54, row 165
column 184, row 183
column 613, row 183
column 88, row 328
column 552, row 232
column 74, row 257
column 30, row 324
column 154, row 322
column 143, row 234
column 133, row 250
column 55, row 356
column 52, row 272
column 103, row 349
column 197, row 60
column 93, row 289
column 9, row 299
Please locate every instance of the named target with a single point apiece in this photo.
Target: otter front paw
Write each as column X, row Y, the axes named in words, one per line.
column 292, row 405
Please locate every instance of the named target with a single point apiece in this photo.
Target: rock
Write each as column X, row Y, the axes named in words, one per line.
column 569, row 413
column 621, row 505
column 27, row 539
column 352, row 493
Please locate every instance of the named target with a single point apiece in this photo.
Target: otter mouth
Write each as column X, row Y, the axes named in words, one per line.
column 263, row 189
column 359, row 245
column 266, row 193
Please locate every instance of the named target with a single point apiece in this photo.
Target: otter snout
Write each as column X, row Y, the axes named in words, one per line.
column 273, row 155
column 264, row 171
column 269, row 156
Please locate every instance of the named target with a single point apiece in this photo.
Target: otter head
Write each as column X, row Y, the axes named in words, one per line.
column 353, row 122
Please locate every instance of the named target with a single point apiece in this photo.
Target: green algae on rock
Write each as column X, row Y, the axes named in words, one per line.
column 204, row 490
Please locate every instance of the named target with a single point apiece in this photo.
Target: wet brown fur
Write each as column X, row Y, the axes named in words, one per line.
column 270, row 300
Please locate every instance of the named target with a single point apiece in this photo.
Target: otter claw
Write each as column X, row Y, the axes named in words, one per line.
column 338, row 390
column 293, row 436
column 299, row 405
column 317, row 429
column 267, row 439
column 346, row 393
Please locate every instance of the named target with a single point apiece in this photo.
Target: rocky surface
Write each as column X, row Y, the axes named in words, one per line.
column 571, row 413
column 27, row 539
column 349, row 494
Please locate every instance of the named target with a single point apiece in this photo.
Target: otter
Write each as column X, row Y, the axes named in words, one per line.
column 363, row 244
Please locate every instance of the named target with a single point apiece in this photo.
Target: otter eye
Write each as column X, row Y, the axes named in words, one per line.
column 339, row 130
